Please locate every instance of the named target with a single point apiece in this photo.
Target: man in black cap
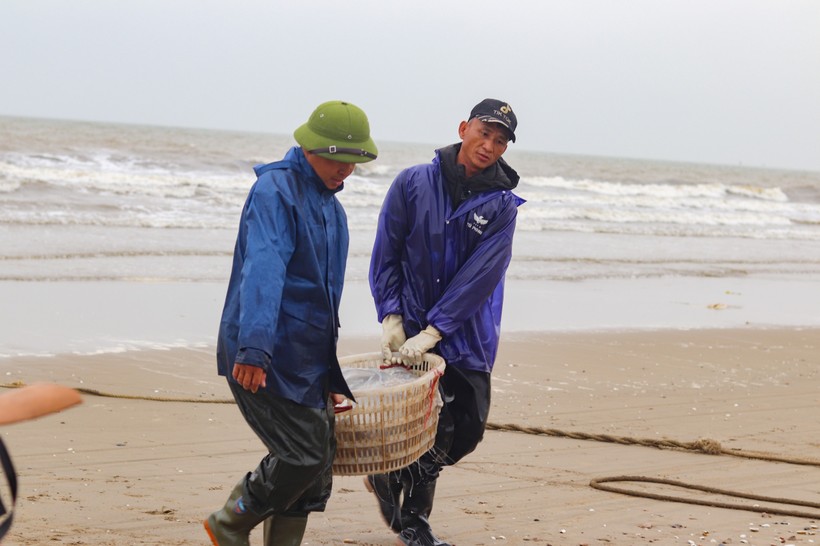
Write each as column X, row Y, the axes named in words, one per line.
column 443, row 244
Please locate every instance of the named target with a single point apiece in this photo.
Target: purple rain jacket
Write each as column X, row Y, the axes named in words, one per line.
column 435, row 265
column 281, row 311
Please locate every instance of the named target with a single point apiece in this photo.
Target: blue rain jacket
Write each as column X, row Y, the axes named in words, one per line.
column 281, row 309
column 433, row 265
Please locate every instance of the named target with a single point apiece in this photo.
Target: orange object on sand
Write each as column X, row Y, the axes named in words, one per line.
column 22, row 404
column 34, row 401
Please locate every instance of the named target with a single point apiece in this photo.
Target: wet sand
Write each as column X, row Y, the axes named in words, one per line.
column 122, row 471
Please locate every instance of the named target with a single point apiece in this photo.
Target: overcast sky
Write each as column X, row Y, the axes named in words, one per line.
column 733, row 82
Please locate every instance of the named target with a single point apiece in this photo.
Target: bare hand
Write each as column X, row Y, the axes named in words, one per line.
column 250, row 377
column 340, row 402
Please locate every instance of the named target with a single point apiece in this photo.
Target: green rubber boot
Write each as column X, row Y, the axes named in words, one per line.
column 284, row 530
column 231, row 525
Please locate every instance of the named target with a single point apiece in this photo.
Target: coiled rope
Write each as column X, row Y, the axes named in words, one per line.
column 704, row 446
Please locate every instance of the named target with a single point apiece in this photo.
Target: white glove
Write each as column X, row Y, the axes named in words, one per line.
column 393, row 337
column 413, row 350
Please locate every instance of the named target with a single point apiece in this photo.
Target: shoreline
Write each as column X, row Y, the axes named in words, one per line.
column 160, row 467
column 86, row 317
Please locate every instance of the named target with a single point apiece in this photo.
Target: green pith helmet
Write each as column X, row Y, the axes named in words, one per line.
column 339, row 131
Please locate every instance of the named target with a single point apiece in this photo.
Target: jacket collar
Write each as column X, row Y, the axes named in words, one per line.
column 498, row 176
column 296, row 156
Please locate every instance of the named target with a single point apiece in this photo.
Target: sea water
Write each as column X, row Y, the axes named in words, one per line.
column 111, row 204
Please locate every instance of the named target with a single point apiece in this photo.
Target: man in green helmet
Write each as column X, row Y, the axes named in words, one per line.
column 279, row 327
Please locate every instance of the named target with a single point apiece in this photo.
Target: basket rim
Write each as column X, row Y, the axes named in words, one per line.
column 436, row 361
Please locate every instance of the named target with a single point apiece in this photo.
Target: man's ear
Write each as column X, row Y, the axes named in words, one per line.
column 462, row 129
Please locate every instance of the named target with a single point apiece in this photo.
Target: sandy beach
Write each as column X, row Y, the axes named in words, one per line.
column 648, row 304
column 128, row 470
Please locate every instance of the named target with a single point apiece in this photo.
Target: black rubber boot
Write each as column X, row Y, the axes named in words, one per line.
column 284, row 530
column 387, row 490
column 231, row 525
column 416, row 508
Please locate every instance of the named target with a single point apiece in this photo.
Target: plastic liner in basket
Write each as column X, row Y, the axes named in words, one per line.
column 391, row 425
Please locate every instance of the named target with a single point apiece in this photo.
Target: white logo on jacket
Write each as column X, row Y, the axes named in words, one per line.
column 477, row 224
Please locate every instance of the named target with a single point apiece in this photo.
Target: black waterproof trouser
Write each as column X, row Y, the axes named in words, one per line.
column 461, row 423
column 295, row 477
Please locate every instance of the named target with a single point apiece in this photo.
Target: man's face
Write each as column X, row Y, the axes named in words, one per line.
column 482, row 144
column 332, row 173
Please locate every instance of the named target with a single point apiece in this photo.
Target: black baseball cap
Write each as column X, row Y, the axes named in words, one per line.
column 496, row 111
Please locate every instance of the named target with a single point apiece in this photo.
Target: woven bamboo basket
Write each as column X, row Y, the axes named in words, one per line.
column 390, row 427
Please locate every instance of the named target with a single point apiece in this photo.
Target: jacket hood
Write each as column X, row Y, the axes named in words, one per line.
column 498, row 176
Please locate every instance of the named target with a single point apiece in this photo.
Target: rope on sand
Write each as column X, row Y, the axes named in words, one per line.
column 598, row 484
column 94, row 392
column 705, row 446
